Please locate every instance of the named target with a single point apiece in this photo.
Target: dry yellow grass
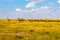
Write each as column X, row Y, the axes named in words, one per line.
column 26, row 30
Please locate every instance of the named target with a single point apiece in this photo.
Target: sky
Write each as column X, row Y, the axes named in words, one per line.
column 29, row 8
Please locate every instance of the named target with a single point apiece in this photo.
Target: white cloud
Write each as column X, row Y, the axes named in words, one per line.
column 40, row 10
column 30, row 5
column 19, row 10
column 58, row 1
column 44, row 7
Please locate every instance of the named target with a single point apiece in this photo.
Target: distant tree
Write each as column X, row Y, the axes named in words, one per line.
column 31, row 20
column 20, row 20
column 8, row 19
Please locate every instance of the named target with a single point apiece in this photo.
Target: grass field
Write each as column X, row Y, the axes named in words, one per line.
column 27, row 30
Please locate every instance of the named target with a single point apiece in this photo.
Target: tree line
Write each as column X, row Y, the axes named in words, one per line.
column 35, row 20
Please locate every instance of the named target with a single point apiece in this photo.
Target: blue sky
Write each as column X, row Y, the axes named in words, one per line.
column 29, row 8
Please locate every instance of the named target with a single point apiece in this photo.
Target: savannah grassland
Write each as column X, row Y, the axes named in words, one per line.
column 29, row 29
